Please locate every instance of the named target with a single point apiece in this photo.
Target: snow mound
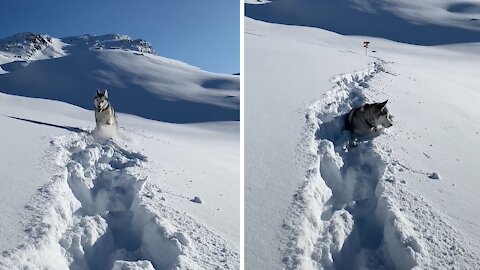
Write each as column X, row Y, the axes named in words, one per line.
column 97, row 214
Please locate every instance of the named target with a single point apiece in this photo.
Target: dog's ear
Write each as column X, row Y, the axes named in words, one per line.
column 98, row 92
column 383, row 104
column 105, row 93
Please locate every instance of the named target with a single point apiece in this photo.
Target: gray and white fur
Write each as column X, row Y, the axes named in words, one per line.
column 368, row 118
column 104, row 112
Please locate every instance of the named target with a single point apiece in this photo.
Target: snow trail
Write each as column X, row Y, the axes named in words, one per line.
column 333, row 222
column 99, row 213
column 349, row 214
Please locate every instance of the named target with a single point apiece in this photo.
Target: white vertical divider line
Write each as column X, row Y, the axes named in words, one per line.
column 242, row 135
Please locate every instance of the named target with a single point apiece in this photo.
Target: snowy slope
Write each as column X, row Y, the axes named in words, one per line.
column 314, row 203
column 71, row 200
column 67, row 195
column 428, row 22
column 129, row 69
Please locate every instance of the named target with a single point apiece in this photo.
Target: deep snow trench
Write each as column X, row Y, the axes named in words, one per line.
column 337, row 220
column 352, row 173
column 103, row 230
column 354, row 211
column 97, row 213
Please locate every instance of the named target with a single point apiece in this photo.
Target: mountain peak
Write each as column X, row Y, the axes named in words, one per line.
column 30, row 45
column 110, row 41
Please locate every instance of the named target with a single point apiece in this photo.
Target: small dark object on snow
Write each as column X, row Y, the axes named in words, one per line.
column 196, row 200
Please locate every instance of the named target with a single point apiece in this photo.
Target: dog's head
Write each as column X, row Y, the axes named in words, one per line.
column 101, row 100
column 384, row 117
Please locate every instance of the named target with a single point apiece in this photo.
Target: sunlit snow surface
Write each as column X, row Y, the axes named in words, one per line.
column 72, row 197
column 314, row 201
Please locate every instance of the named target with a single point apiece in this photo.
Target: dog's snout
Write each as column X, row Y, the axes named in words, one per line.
column 389, row 121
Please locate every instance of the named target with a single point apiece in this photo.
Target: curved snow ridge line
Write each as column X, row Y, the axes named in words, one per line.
column 96, row 214
column 334, row 222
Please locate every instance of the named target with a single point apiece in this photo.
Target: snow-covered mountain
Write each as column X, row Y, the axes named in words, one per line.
column 404, row 198
column 140, row 82
column 30, row 46
column 162, row 195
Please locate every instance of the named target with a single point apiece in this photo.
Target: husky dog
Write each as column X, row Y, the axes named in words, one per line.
column 368, row 118
column 104, row 113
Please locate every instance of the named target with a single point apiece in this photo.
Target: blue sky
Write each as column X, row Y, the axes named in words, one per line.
column 202, row 33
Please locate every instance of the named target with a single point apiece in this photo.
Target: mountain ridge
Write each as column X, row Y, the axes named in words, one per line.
column 26, row 45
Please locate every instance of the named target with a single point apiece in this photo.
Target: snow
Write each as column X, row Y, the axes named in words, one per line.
column 314, row 200
column 429, row 22
column 74, row 199
column 30, row 46
column 109, row 41
column 138, row 265
column 272, row 168
column 99, row 188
